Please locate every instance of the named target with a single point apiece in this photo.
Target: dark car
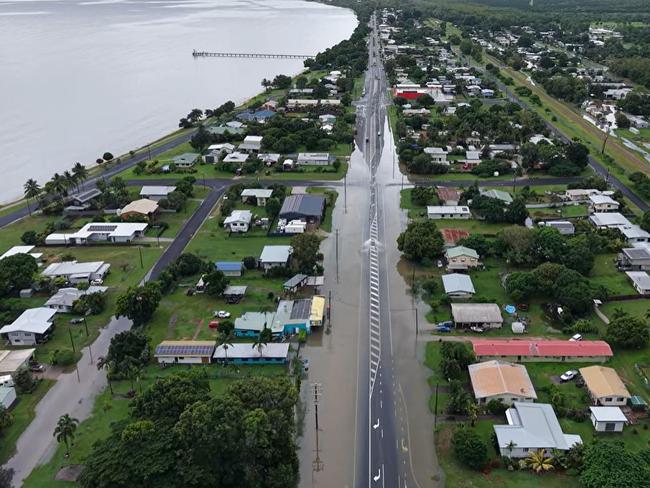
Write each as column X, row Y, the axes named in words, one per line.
column 36, row 368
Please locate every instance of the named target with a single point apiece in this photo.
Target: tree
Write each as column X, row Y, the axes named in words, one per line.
column 188, row 264
column 539, row 461
column 469, row 448
column 224, row 340
column 608, row 464
column 282, row 81
column 466, row 47
column 478, row 242
column 24, row 380
column 215, row 283
column 107, row 156
column 421, row 241
column 645, row 221
column 454, row 359
column 65, row 431
column 128, row 350
column 201, row 139
column 31, row 190
column 6, row 419
column 459, row 398
column 516, row 212
column 423, row 195
column 273, row 207
column 80, row 172
column 17, row 272
column 6, row 475
column 305, row 252
column 622, row 121
column 108, row 365
column 139, row 303
column 263, row 338
column 174, row 201
column 628, row 332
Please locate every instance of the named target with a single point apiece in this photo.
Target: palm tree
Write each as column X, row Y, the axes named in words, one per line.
column 472, row 411
column 619, row 313
column 107, row 364
column 70, row 180
column 539, row 461
column 57, row 184
column 32, row 190
column 80, row 172
column 510, row 447
column 263, row 338
column 65, row 430
column 224, row 340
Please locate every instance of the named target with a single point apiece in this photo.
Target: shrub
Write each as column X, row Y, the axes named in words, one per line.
column 63, row 357
column 469, row 448
column 496, row 407
column 250, row 262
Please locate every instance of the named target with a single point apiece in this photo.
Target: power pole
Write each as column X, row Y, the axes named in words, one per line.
column 417, row 328
column 602, row 151
column 71, row 340
column 329, row 309
column 317, row 464
column 345, row 193
column 141, row 262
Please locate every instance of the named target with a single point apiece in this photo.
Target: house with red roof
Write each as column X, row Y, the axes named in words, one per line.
column 541, row 350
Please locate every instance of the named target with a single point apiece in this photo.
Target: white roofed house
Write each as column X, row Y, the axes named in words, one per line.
column 438, row 155
column 634, row 259
column 604, row 220
column 634, row 234
column 116, row 232
column 476, row 314
column 258, row 195
column 316, row 159
column 156, row 193
column 250, row 145
column 22, row 250
column 472, row 158
column 185, row 160
column 603, row 203
column 32, row 327
column 532, row 426
column 238, row 221
column 640, row 281
column 236, row 157
column 448, row 212
column 608, row 419
column 64, row 299
column 275, row 256
column 458, row 285
column 217, row 151
column 75, row 272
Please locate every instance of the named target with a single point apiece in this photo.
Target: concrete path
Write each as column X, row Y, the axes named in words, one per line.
column 72, row 394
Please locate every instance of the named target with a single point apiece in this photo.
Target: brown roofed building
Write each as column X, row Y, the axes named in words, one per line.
column 140, row 208
column 605, row 386
column 501, row 381
column 449, row 196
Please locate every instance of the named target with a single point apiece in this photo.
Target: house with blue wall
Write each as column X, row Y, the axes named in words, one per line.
column 245, row 353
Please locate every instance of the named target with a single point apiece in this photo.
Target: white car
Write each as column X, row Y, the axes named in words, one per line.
column 569, row 375
column 576, row 338
column 222, row 314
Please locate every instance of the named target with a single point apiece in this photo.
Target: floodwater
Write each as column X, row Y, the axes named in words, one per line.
column 78, row 78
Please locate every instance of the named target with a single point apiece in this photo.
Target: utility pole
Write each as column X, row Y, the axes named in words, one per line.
column 317, row 464
column 71, row 340
column 90, row 351
column 141, row 262
column 337, row 255
column 329, row 309
column 602, row 151
column 86, row 326
column 345, row 193
column 417, row 327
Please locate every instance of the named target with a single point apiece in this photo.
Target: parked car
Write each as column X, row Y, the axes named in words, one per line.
column 305, row 365
column 477, row 329
column 222, row 314
column 78, row 320
column 97, row 282
column 447, row 323
column 576, row 337
column 442, row 328
column 214, row 324
column 568, row 375
column 36, row 368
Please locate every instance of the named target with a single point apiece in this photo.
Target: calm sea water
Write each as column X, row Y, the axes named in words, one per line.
column 78, row 78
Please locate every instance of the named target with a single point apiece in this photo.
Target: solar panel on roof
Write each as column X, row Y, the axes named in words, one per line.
column 102, row 228
column 184, row 350
column 301, row 309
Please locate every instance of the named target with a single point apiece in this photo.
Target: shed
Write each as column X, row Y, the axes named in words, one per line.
column 7, row 396
column 518, row 328
column 297, row 281
column 230, row 268
column 608, row 419
column 458, row 285
column 476, row 314
column 234, row 294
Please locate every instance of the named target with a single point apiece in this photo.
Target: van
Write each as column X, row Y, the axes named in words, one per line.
column 6, row 380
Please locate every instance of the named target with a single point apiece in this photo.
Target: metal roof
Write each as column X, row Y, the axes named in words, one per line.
column 245, row 350
column 229, row 265
column 296, row 280
column 235, row 290
column 540, row 348
column 303, row 205
column 275, row 254
column 301, row 309
column 456, row 251
column 11, row 360
column 456, row 282
column 35, row 320
column 86, row 196
column 492, row 378
column 603, row 382
column 476, row 313
column 608, row 414
column 156, row 190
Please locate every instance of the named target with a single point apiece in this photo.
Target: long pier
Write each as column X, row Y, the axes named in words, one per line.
column 207, row 54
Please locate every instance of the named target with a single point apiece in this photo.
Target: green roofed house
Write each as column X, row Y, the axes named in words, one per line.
column 461, row 258
column 504, row 196
column 185, row 160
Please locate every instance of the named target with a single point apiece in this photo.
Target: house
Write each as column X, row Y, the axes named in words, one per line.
column 640, row 281
column 472, row 158
column 485, row 315
column 250, row 324
column 14, row 360
column 248, row 353
column 296, row 282
column 144, row 208
column 270, row 105
column 634, row 234
column 83, row 199
column 458, row 285
column 258, row 195
column 504, row 196
column 30, row 328
column 238, row 221
column 448, row 212
column 532, row 426
column 580, row 194
column 294, row 316
column 230, row 268
column 115, row 232
column 269, row 158
column 307, row 207
column 438, row 155
column 317, row 311
column 314, row 159
column 605, row 386
column 64, row 298
column 217, row 151
column 608, row 220
column 185, row 160
column 22, row 250
column 603, row 203
column 184, row 352
column 537, row 138
column 501, row 381
column 260, row 116
column 250, row 145
column 75, row 272
column 156, row 193
column 607, row 419
column 226, row 129
column 461, row 257
column 520, row 350
column 487, row 92
column 449, row 196
column 7, row 396
column 327, row 119
column 275, row 256
column 236, row 157
column 564, row 227
column 634, row 259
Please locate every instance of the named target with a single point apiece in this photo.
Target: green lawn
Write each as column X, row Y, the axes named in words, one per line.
column 605, row 273
column 636, row 308
column 23, row 413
